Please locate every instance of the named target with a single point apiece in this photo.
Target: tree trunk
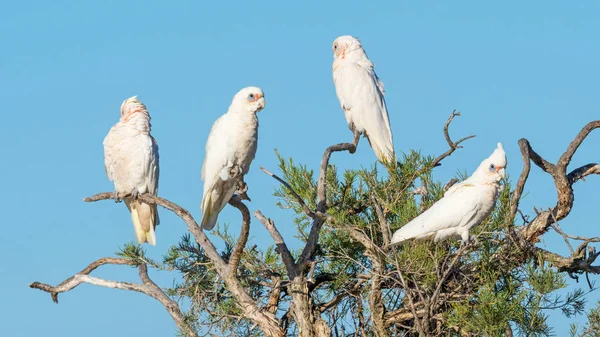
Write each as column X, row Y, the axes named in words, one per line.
column 309, row 324
column 375, row 299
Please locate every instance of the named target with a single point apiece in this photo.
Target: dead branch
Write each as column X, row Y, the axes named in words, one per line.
column 69, row 283
column 282, row 249
column 265, row 320
column 311, row 243
column 236, row 255
column 581, row 261
column 518, row 192
column 453, row 145
column 383, row 224
column 292, row 192
column 563, row 182
column 148, row 287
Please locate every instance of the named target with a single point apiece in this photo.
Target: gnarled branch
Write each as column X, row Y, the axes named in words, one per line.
column 265, row 320
column 563, row 182
column 453, row 145
column 147, row 287
column 282, row 249
column 236, row 255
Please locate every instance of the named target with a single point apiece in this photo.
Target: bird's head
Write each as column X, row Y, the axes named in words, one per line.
column 251, row 99
column 492, row 168
column 344, row 45
column 131, row 106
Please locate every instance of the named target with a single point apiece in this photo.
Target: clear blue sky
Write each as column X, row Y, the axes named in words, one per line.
column 515, row 69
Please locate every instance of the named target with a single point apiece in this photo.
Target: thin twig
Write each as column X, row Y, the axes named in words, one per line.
column 453, row 145
column 292, row 192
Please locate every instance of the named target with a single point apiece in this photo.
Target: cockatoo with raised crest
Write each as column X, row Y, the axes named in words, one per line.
column 360, row 93
column 230, row 148
column 131, row 163
column 464, row 205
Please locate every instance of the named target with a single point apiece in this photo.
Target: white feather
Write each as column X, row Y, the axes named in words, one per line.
column 231, row 146
column 463, row 206
column 132, row 163
column 361, row 96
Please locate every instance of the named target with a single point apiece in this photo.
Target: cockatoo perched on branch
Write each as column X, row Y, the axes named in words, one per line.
column 131, row 162
column 230, row 148
column 360, row 93
column 464, row 205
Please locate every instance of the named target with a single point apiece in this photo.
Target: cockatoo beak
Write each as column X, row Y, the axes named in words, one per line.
column 261, row 100
column 500, row 170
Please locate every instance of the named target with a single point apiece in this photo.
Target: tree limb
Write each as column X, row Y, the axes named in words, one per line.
column 311, row 243
column 236, row 255
column 282, row 249
column 292, row 192
column 563, row 182
column 453, row 145
column 148, row 287
column 265, row 320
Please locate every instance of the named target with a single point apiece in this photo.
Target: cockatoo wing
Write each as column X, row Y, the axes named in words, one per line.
column 361, row 95
column 219, row 187
column 454, row 210
column 131, row 161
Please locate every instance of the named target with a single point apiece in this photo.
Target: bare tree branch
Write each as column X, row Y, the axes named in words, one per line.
column 453, row 145
column 566, row 157
column 518, row 192
column 69, row 284
column 564, row 184
column 148, row 287
column 282, row 249
column 313, row 237
column 383, row 224
column 236, row 255
column 292, row 192
column 265, row 320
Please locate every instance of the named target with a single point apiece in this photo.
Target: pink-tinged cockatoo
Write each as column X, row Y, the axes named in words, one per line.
column 464, row 205
column 131, row 162
column 360, row 93
column 230, row 148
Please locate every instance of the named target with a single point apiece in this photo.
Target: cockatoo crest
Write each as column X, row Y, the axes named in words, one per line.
column 491, row 169
column 250, row 99
column 131, row 106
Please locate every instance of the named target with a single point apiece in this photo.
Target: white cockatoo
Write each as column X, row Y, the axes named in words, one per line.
column 230, row 148
column 360, row 93
column 131, row 162
column 463, row 206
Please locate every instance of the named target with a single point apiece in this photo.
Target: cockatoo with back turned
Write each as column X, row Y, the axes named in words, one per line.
column 230, row 148
column 464, row 205
column 360, row 93
column 131, row 162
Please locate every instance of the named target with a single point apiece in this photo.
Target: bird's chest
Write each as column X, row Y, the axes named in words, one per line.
column 244, row 141
column 487, row 198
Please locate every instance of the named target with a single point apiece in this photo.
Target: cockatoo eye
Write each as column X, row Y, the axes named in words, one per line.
column 251, row 97
column 492, row 168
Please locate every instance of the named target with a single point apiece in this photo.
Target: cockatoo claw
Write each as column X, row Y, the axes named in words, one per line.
column 135, row 194
column 242, row 189
column 244, row 196
column 115, row 197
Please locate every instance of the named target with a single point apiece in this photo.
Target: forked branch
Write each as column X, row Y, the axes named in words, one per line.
column 563, row 182
column 265, row 320
column 453, row 145
column 147, row 287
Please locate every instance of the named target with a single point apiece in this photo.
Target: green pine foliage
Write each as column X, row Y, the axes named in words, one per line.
column 478, row 290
